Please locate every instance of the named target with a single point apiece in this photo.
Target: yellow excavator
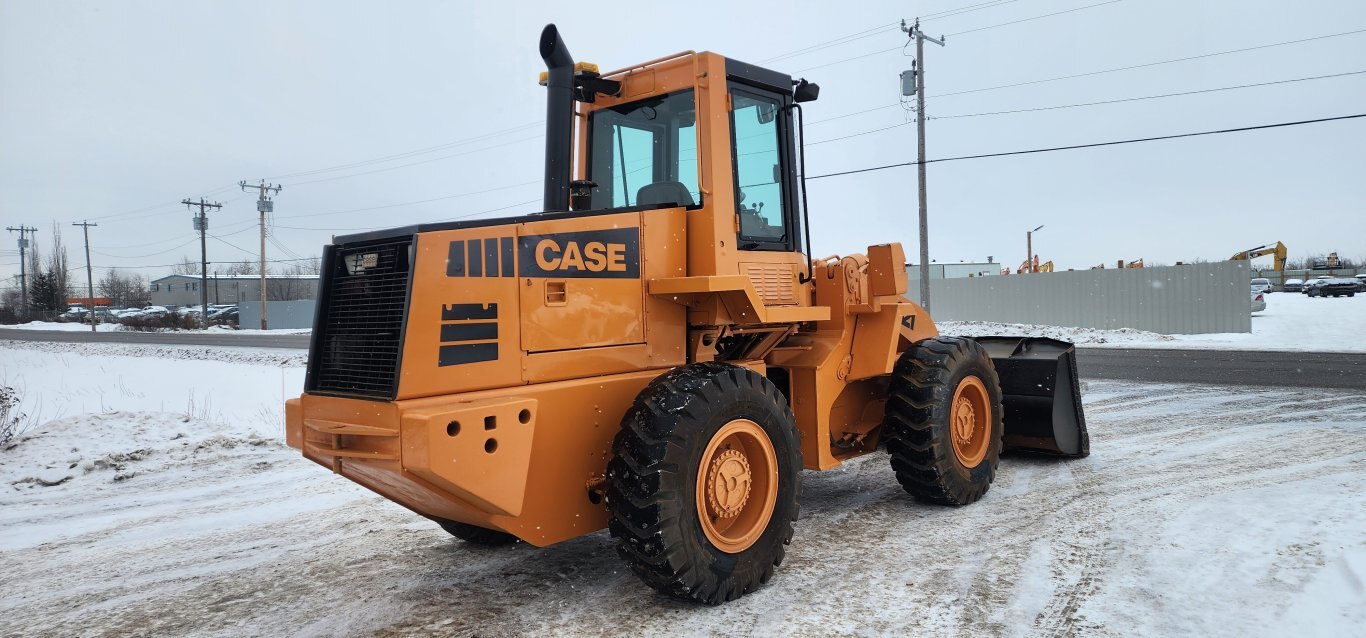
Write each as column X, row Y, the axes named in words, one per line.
column 1277, row 250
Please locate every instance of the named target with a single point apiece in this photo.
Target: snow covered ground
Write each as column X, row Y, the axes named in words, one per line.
column 154, row 496
column 115, row 327
column 64, row 326
column 1291, row 323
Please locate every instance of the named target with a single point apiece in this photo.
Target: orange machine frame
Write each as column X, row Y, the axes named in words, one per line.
column 519, row 441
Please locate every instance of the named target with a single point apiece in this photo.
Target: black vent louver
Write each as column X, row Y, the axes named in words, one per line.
column 358, row 333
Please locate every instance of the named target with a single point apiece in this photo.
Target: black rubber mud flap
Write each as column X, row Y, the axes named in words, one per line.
column 1040, row 393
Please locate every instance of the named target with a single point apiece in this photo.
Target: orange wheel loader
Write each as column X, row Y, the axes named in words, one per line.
column 655, row 352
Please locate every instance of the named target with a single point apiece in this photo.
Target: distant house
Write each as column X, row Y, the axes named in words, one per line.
column 183, row 290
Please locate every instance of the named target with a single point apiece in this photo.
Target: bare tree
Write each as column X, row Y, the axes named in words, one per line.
column 244, row 267
column 58, row 267
column 186, row 266
column 128, row 291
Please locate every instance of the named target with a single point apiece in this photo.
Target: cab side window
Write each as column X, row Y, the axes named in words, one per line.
column 644, row 153
column 758, row 166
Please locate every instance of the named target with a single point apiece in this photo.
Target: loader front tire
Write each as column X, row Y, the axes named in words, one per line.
column 477, row 535
column 943, row 421
column 702, row 489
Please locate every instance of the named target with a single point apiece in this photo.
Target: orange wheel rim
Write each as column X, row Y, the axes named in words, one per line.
column 970, row 421
column 737, row 486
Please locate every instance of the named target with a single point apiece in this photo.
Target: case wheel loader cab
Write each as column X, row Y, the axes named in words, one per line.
column 654, row 351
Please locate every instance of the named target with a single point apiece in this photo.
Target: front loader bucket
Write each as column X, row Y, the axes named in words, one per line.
column 1041, row 397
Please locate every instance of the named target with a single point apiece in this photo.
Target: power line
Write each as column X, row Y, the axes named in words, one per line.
column 878, row 30
column 1147, row 97
column 880, row 52
column 949, row 13
column 883, row 28
column 1084, row 104
column 1093, row 145
column 443, row 219
column 1046, row 15
column 1151, row 64
column 425, row 161
column 141, row 256
column 406, row 154
column 411, row 203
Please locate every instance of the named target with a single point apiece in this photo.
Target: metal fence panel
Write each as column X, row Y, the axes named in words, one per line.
column 280, row 315
column 1189, row 299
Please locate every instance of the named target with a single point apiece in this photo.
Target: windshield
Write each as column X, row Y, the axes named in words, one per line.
column 644, row 152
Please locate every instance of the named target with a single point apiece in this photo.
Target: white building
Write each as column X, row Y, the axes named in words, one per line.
column 183, row 290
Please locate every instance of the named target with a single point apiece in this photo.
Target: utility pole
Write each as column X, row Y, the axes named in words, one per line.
column 263, row 205
column 201, row 224
column 89, row 275
column 920, row 38
column 23, row 264
column 1029, row 247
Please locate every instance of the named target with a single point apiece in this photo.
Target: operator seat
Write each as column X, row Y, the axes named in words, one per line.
column 664, row 193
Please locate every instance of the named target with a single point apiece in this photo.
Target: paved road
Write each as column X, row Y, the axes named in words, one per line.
column 1226, row 367
column 1220, row 367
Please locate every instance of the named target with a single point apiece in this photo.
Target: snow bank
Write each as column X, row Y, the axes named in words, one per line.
column 65, row 327
column 263, row 356
column 1291, row 323
column 1080, row 336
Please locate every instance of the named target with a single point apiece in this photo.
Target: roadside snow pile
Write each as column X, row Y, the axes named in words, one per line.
column 65, row 327
column 115, row 447
column 254, row 331
column 1080, row 336
column 264, row 356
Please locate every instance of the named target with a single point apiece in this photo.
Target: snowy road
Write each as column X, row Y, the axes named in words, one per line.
column 1220, row 512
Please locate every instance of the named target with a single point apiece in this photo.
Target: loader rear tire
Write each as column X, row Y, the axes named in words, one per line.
column 943, row 421
column 477, row 535
column 702, row 489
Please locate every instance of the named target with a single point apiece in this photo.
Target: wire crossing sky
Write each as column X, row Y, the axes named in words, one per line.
column 424, row 111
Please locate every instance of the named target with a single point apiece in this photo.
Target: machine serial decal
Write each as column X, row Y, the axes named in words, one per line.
column 468, row 339
column 597, row 254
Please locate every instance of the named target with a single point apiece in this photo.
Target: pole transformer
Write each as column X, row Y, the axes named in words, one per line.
column 201, row 224
column 264, row 205
column 920, row 38
column 23, row 231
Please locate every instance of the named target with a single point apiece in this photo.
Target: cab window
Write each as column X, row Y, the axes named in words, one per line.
column 758, row 167
column 644, row 153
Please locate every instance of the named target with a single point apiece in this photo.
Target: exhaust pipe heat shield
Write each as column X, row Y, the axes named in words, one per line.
column 1040, row 393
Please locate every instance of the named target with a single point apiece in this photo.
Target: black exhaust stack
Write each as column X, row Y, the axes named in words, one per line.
column 559, row 119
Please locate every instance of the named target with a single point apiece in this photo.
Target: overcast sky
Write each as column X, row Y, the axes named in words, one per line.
column 115, row 111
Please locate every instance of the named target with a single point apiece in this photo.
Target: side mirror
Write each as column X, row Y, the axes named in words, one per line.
column 805, row 91
column 766, row 112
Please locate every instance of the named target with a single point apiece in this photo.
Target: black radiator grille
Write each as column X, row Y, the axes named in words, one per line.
column 359, row 334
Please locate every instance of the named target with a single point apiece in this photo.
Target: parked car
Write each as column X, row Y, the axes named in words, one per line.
column 1332, row 287
column 1261, row 284
column 1310, row 283
column 225, row 315
column 1293, row 285
column 1258, row 301
column 1361, row 283
column 74, row 313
